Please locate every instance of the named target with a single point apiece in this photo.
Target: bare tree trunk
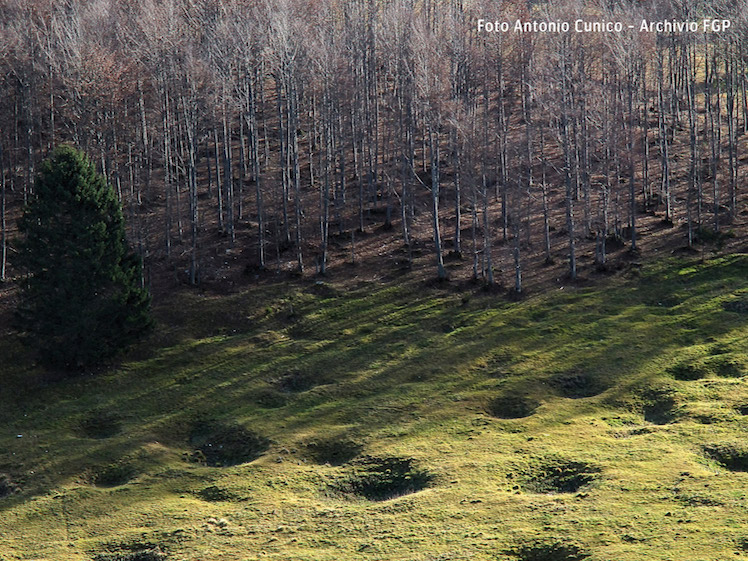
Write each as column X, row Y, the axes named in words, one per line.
column 564, row 126
column 434, row 150
column 3, row 227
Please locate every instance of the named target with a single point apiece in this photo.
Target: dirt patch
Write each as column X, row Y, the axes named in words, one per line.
column 577, row 384
column 333, row 451
column 512, row 407
column 554, row 550
column 383, row 478
column 99, row 423
column 219, row 444
column 560, row 476
column 731, row 456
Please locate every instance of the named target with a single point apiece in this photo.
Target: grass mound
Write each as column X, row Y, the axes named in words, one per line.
column 333, row 451
column 549, row 551
column 219, row 444
column 512, row 407
column 732, row 456
column 577, row 384
column 383, row 478
column 560, row 476
column 99, row 423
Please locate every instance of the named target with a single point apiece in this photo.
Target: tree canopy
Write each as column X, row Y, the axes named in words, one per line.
column 82, row 299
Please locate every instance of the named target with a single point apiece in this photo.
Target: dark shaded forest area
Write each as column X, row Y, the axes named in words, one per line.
column 245, row 136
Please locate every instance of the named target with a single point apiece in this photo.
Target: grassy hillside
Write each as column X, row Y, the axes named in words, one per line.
column 294, row 421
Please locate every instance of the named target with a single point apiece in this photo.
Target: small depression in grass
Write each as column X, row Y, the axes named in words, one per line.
column 148, row 554
column 383, row 478
column 113, row 475
column 7, row 487
column 99, row 423
column 548, row 551
column 726, row 367
column 732, row 456
column 270, row 398
column 687, row 371
column 560, row 476
column 660, row 406
column 298, row 381
column 512, row 406
column 738, row 306
column 577, row 384
column 219, row 444
column 214, row 494
column 333, row 451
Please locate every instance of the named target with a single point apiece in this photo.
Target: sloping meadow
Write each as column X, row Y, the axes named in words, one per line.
column 409, row 421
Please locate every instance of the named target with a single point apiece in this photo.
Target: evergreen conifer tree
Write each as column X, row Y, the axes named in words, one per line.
column 82, row 299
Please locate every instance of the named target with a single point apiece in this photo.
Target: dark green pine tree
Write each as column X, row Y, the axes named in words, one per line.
column 82, row 299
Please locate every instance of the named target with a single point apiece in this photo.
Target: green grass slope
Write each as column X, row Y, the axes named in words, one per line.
column 398, row 422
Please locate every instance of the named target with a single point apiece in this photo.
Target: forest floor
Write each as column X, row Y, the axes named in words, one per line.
column 363, row 418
